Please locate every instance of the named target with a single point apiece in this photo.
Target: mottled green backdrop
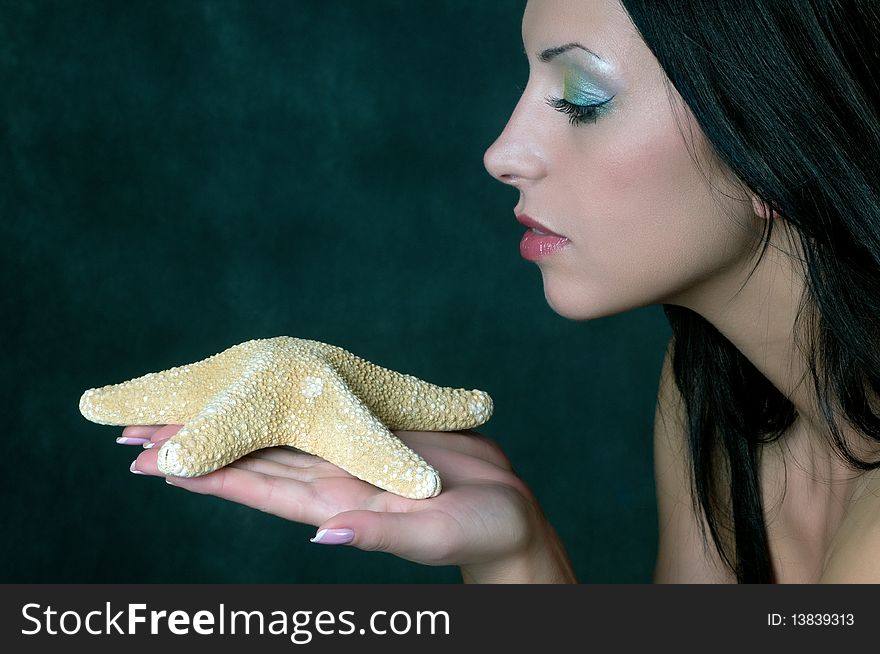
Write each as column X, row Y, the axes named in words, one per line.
column 177, row 177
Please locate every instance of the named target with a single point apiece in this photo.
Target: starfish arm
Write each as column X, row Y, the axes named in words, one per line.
column 404, row 402
column 259, row 406
column 290, row 391
column 237, row 421
column 345, row 432
column 171, row 396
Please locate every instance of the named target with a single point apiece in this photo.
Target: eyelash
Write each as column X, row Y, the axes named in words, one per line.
column 580, row 114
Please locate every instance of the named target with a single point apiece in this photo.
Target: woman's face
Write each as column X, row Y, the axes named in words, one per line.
column 644, row 225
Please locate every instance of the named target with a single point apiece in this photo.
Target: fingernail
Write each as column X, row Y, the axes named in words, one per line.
column 126, row 440
column 333, row 536
column 131, row 468
column 169, row 482
column 148, row 445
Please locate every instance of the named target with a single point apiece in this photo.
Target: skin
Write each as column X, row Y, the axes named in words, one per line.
column 646, row 226
column 486, row 519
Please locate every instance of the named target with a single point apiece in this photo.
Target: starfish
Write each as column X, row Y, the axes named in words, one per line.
column 316, row 397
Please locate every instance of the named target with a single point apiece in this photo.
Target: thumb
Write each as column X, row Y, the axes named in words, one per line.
column 427, row 536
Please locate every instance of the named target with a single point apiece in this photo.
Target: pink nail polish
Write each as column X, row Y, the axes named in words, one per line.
column 127, row 440
column 131, row 468
column 333, row 536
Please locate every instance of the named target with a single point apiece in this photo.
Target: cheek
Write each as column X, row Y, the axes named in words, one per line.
column 651, row 221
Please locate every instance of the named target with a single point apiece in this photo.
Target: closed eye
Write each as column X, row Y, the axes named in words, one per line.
column 580, row 114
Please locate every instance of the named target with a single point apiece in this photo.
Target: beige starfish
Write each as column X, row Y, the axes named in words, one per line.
column 316, row 397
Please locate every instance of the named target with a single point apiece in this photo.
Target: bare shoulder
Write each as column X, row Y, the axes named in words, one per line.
column 682, row 555
column 854, row 557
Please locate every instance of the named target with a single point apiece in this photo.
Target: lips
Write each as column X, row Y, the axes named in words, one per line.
column 528, row 221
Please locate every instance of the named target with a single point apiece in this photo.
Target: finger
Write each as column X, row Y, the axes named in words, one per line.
column 286, row 498
column 426, row 536
column 145, row 463
column 264, row 462
column 291, row 456
column 139, row 431
column 128, row 440
column 470, row 443
column 165, row 432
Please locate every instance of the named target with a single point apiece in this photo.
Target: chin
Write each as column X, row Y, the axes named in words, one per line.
column 588, row 303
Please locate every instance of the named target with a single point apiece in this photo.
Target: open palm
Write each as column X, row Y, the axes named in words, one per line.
column 484, row 512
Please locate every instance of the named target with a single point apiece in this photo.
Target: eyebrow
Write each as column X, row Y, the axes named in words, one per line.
column 550, row 53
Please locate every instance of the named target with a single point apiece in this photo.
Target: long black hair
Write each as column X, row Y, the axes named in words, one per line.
column 787, row 94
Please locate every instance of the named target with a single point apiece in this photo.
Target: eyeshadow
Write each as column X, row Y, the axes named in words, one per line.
column 579, row 89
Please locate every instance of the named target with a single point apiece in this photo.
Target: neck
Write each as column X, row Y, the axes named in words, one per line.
column 759, row 318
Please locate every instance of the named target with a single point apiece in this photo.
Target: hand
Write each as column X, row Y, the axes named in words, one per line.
column 484, row 517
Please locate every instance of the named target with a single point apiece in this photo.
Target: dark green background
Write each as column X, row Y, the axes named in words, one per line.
column 181, row 176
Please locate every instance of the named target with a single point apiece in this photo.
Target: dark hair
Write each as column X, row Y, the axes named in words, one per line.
column 787, row 97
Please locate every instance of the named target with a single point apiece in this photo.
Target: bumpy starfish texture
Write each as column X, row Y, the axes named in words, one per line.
column 315, row 397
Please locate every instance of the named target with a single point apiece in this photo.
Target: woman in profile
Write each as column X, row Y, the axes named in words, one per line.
column 723, row 160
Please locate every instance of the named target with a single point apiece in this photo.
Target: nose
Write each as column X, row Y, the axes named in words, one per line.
column 516, row 156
